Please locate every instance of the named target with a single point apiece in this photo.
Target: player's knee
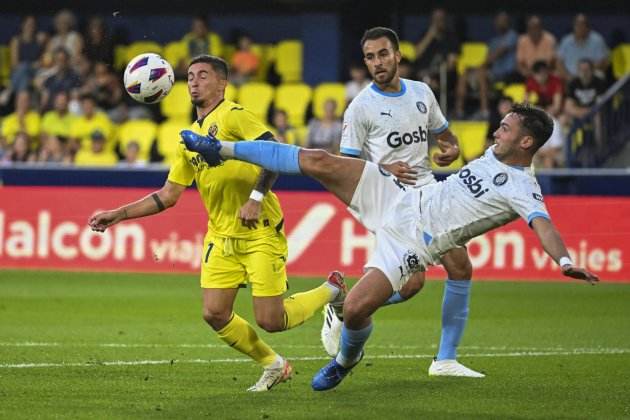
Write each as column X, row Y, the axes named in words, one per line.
column 217, row 319
column 271, row 324
column 412, row 287
column 354, row 314
column 461, row 271
column 315, row 162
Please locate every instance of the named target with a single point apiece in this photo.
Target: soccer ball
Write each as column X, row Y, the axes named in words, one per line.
column 148, row 78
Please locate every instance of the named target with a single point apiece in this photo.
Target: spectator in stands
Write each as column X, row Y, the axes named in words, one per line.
column 504, row 106
column 198, row 40
column 282, row 130
column 535, row 45
column 132, row 156
column 551, row 154
column 547, row 87
column 61, row 78
column 584, row 90
column 66, row 36
column 358, row 80
column 91, row 121
column 582, row 43
column 58, row 122
column 244, row 62
column 500, row 66
column 53, row 150
column 437, row 48
column 26, row 49
column 325, row 133
column 405, row 68
column 23, row 120
column 105, row 87
column 20, row 150
column 99, row 45
column 98, row 154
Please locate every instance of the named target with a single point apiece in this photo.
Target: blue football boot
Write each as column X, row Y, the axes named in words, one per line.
column 331, row 375
column 206, row 146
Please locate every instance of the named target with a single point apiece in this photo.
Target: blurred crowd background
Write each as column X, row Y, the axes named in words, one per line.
column 62, row 100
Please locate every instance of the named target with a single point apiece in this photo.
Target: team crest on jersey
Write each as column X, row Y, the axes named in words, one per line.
column 538, row 197
column 213, row 130
column 421, row 107
column 500, row 179
column 412, row 262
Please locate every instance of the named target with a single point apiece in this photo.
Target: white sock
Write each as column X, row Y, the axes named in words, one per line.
column 227, row 149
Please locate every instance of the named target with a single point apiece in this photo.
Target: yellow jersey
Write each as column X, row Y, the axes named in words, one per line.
column 224, row 189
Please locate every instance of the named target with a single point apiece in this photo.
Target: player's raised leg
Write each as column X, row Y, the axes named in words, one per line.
column 363, row 300
column 339, row 175
column 454, row 315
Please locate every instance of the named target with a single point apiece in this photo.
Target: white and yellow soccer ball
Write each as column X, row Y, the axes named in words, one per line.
column 148, row 78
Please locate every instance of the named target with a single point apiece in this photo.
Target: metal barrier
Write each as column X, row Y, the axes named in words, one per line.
column 604, row 131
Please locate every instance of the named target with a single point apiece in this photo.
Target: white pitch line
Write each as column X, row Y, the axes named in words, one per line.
column 576, row 352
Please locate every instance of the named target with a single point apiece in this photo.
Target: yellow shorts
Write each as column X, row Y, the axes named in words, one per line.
column 228, row 263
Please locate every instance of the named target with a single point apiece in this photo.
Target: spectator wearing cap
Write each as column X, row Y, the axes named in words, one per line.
column 583, row 42
column 535, row 45
column 97, row 154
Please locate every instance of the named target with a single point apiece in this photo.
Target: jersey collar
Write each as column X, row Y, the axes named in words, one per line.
column 200, row 121
column 403, row 89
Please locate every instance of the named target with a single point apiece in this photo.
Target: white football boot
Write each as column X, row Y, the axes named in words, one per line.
column 452, row 368
column 272, row 376
column 333, row 315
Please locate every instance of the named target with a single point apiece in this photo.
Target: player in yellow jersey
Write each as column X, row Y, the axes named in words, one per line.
column 245, row 240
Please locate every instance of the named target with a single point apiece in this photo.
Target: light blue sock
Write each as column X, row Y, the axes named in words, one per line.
column 276, row 157
column 454, row 316
column 394, row 299
column 352, row 342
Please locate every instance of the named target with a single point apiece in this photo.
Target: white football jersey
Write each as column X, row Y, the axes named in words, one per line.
column 386, row 127
column 483, row 195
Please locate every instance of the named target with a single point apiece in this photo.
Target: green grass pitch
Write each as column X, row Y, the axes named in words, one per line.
column 86, row 345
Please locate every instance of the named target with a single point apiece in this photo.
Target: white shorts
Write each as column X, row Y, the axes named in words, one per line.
column 388, row 209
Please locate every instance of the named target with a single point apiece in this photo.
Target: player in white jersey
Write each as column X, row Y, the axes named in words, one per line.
column 389, row 123
column 414, row 227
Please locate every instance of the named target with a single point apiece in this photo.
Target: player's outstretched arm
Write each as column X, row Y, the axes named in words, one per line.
column 151, row 204
column 554, row 246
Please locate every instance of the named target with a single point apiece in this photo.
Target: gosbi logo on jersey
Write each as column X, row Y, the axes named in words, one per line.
column 396, row 139
column 472, row 182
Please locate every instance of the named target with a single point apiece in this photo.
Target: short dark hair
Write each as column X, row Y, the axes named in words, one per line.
column 380, row 32
column 539, row 66
column 534, row 122
column 219, row 65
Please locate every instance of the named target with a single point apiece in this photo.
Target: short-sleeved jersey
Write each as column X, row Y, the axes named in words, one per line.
column 483, row 195
column 386, row 127
column 226, row 188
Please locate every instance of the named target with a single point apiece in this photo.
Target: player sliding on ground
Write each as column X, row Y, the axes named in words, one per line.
column 245, row 240
column 414, row 227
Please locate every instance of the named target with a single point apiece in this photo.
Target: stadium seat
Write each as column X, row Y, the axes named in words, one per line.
column 325, row 91
column 175, row 52
column 141, row 47
column 621, row 60
column 267, row 56
column 289, row 60
column 168, row 137
column 256, row 97
column 141, row 131
column 407, row 50
column 177, row 102
column 231, row 92
column 472, row 137
column 120, row 57
column 473, row 55
column 294, row 99
column 516, row 91
column 456, row 165
column 5, row 65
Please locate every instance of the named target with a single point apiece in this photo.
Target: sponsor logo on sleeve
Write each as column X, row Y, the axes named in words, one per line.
column 538, row 197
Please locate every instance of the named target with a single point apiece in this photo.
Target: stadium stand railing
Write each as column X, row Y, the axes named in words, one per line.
column 604, row 131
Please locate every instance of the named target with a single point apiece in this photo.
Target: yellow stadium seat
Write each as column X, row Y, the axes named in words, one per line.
column 294, row 99
column 175, row 52
column 289, row 60
column 120, row 57
column 457, row 163
column 5, row 65
column 516, row 91
column 256, row 97
column 473, row 55
column 407, row 50
column 141, row 47
column 621, row 60
column 231, row 92
column 471, row 136
column 301, row 135
column 267, row 56
column 177, row 103
column 325, row 91
column 141, row 131
column 168, row 137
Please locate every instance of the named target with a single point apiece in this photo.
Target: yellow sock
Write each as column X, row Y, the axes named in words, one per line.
column 301, row 306
column 241, row 336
